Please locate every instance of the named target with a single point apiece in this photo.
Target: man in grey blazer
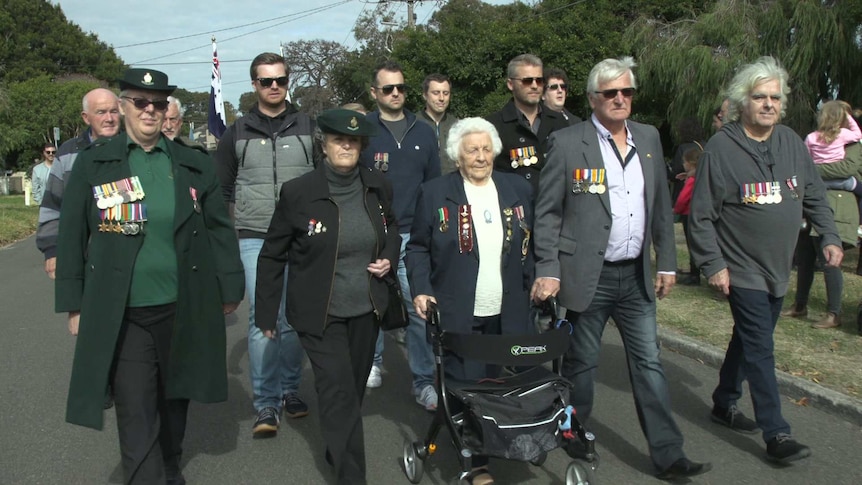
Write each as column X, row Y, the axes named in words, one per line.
column 603, row 201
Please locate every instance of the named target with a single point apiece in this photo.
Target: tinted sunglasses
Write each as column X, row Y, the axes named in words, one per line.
column 142, row 103
column 388, row 88
column 561, row 86
column 267, row 81
column 612, row 93
column 528, row 81
column 50, row 152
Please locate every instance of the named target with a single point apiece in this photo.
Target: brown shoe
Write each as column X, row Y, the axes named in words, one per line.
column 795, row 312
column 830, row 320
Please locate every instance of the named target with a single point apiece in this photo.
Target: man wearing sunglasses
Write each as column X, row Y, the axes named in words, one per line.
column 603, row 202
column 405, row 150
column 100, row 111
column 523, row 124
column 41, row 171
column 268, row 146
column 148, row 266
column 556, row 91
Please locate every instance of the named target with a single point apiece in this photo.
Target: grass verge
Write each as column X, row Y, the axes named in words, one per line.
column 17, row 220
column 832, row 358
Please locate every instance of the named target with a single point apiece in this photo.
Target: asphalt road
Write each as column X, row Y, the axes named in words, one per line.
column 38, row 447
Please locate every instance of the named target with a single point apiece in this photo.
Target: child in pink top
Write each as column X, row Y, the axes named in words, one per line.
column 835, row 128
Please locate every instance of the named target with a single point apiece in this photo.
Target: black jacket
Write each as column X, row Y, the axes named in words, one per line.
column 515, row 134
column 295, row 238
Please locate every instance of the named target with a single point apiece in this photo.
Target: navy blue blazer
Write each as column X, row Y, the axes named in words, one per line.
column 436, row 267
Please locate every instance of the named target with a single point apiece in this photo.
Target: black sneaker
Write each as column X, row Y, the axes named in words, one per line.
column 783, row 449
column 293, row 406
column 266, row 424
column 733, row 419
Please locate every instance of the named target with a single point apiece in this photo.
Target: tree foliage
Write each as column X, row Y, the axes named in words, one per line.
column 38, row 39
column 311, row 63
column 47, row 64
column 48, row 103
column 197, row 106
column 688, row 62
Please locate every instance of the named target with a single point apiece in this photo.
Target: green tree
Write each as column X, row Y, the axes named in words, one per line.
column 247, row 101
column 687, row 63
column 44, row 103
column 38, row 39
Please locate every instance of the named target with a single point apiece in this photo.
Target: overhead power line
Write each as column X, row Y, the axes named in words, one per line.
column 209, row 32
column 296, row 16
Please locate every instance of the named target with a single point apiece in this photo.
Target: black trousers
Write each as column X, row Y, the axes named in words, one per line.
column 341, row 360
column 150, row 427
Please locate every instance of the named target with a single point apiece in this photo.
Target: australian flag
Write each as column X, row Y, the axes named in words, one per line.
column 217, row 121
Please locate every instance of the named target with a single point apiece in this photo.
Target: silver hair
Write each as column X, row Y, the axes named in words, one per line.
column 764, row 69
column 608, row 70
column 180, row 108
column 522, row 60
column 468, row 126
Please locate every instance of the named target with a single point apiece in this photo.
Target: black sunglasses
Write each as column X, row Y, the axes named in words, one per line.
column 612, row 93
column 50, row 152
column 267, row 81
column 388, row 88
column 554, row 87
column 528, row 81
column 142, row 103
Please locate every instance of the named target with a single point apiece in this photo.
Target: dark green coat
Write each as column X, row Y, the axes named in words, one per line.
column 94, row 271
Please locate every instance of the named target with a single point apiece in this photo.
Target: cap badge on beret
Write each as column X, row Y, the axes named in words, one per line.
column 354, row 125
column 147, row 80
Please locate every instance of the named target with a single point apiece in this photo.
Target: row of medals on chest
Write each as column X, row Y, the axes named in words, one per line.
column 119, row 209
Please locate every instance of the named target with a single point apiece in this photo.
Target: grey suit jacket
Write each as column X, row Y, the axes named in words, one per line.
column 571, row 231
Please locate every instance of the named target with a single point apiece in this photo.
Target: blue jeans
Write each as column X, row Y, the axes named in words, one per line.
column 275, row 365
column 621, row 294
column 750, row 356
column 419, row 353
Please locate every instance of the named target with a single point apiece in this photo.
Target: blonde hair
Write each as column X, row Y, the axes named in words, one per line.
column 831, row 118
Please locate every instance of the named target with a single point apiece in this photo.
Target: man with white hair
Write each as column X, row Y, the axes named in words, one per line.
column 755, row 181
column 603, row 201
column 173, row 124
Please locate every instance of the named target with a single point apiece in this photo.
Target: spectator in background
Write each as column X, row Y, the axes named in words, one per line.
column 556, row 91
column 835, row 129
column 691, row 136
column 41, row 171
column 682, row 207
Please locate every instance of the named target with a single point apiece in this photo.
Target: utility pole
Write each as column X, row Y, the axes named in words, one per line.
column 411, row 17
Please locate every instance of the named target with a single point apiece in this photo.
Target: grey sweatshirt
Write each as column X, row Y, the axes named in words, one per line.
column 755, row 242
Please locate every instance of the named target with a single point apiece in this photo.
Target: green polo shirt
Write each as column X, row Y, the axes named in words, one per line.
column 154, row 278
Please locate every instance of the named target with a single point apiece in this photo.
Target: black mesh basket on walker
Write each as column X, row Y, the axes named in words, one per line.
column 520, row 416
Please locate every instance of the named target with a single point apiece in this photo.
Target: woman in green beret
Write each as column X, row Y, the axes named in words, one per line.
column 335, row 229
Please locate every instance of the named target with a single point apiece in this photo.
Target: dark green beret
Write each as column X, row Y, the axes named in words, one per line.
column 146, row 79
column 345, row 122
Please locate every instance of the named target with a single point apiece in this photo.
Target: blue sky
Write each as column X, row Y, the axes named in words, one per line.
column 124, row 23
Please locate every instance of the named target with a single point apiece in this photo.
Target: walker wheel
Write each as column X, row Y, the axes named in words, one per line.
column 580, row 472
column 414, row 465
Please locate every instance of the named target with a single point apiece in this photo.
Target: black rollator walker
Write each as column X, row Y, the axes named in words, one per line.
column 521, row 416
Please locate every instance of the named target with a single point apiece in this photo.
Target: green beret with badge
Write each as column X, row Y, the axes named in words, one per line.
column 147, row 80
column 345, row 122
